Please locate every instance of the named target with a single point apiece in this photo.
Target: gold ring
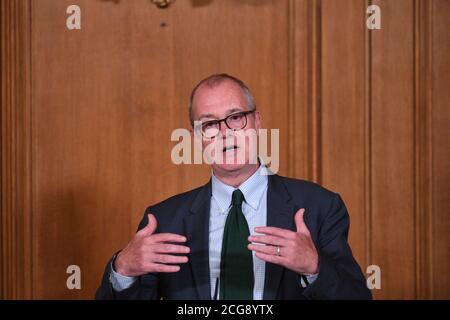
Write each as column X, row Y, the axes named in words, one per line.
column 278, row 251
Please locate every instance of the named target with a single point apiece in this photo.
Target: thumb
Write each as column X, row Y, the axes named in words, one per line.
column 150, row 227
column 300, row 222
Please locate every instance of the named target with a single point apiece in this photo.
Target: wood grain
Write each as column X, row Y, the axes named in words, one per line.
column 343, row 113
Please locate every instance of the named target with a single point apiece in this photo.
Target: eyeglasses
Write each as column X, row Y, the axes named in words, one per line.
column 234, row 121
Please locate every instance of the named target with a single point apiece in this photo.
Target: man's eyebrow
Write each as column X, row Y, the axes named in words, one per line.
column 206, row 115
column 231, row 111
column 235, row 110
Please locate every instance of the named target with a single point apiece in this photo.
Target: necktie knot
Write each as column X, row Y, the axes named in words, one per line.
column 237, row 198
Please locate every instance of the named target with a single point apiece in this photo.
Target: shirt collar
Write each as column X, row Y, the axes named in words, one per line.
column 253, row 189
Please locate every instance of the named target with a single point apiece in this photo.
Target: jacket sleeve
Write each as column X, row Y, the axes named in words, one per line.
column 340, row 276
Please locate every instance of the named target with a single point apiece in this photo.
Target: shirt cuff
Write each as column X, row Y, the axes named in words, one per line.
column 118, row 281
column 306, row 280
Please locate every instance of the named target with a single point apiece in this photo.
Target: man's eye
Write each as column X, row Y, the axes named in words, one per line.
column 209, row 125
column 236, row 117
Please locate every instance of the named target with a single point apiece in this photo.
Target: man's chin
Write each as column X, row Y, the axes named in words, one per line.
column 229, row 167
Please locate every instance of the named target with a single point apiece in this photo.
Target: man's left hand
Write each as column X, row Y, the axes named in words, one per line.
column 292, row 250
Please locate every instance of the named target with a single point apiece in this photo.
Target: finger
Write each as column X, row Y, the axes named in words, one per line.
column 167, row 237
column 170, row 248
column 300, row 221
column 272, row 240
column 270, row 258
column 158, row 267
column 150, row 227
column 283, row 233
column 167, row 258
column 263, row 249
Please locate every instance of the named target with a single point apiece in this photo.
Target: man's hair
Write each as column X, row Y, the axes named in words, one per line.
column 215, row 80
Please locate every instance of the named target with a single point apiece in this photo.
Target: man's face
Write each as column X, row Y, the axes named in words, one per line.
column 232, row 147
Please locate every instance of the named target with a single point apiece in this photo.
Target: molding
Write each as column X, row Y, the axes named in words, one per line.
column 16, row 223
column 368, row 143
column 304, row 92
column 423, row 86
column 315, row 100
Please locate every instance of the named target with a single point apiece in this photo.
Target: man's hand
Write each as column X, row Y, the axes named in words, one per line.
column 293, row 250
column 149, row 252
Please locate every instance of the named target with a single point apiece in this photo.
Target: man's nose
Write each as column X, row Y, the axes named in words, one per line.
column 224, row 129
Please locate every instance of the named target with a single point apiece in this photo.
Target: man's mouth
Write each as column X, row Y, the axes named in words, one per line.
column 229, row 148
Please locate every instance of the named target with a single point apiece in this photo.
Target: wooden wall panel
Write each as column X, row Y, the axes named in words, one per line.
column 392, row 140
column 440, row 259
column 343, row 113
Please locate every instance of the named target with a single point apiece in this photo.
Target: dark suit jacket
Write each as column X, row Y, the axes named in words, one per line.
column 188, row 214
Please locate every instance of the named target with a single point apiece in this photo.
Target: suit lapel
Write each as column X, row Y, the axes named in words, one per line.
column 197, row 233
column 280, row 214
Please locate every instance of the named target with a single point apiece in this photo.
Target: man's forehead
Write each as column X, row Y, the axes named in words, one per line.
column 219, row 99
column 224, row 91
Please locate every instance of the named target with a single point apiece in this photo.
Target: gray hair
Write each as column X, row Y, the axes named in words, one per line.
column 216, row 79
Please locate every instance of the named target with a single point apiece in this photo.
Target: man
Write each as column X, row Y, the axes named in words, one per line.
column 246, row 234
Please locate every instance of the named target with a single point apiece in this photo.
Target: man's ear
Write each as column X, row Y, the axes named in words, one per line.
column 258, row 122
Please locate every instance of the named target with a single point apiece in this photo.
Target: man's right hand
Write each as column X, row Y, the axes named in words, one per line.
column 149, row 252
